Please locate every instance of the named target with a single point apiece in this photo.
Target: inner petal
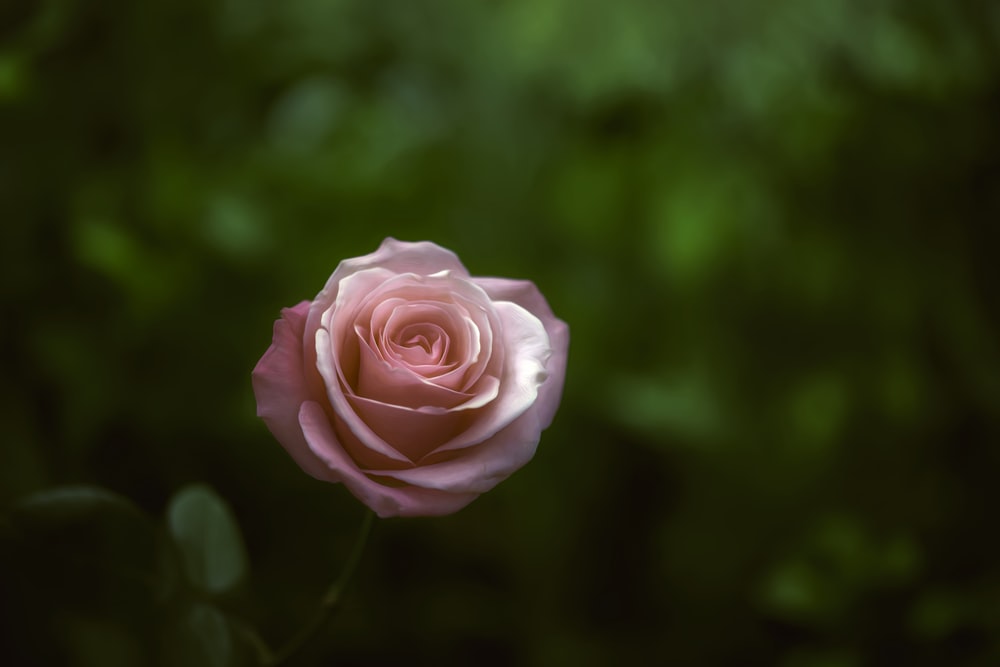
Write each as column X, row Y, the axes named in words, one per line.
column 419, row 334
column 420, row 345
column 399, row 323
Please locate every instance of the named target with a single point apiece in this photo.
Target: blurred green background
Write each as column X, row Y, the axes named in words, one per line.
column 772, row 226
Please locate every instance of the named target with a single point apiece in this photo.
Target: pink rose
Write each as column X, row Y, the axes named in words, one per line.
column 416, row 385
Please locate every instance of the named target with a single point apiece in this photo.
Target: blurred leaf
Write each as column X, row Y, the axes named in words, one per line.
column 817, row 409
column 84, row 549
column 206, row 532
column 713, row 210
column 835, row 566
column 210, row 629
column 102, row 643
column 900, row 561
column 305, row 116
column 684, row 405
column 200, row 637
column 107, row 247
column 234, row 225
column 587, row 196
column 797, row 591
column 937, row 613
column 14, row 77
column 72, row 503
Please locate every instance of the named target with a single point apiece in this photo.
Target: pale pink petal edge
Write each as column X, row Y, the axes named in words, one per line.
column 525, row 294
column 280, row 389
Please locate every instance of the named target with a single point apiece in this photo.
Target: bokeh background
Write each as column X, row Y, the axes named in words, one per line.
column 772, row 226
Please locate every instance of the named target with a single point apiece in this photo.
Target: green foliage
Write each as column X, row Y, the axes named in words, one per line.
column 205, row 531
column 72, row 503
column 200, row 636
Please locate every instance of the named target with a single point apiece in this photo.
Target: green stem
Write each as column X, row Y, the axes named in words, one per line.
column 331, row 599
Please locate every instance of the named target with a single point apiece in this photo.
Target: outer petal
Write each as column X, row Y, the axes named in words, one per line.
column 526, row 348
column 525, row 294
column 280, row 387
column 421, row 257
column 385, row 500
column 480, row 468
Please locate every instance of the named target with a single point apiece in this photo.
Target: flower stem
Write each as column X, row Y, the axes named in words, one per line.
column 330, row 602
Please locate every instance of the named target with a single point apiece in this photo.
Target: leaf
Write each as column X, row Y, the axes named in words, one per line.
column 72, row 503
column 199, row 636
column 83, row 545
column 209, row 627
column 206, row 533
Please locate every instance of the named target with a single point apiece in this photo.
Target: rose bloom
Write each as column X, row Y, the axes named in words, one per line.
column 414, row 384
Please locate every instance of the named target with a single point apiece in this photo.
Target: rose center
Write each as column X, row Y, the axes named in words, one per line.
column 421, row 345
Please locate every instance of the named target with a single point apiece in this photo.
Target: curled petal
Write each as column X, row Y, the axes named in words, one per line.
column 385, row 500
column 525, row 294
column 413, row 433
column 422, row 258
column 382, row 381
column 526, row 346
column 479, row 468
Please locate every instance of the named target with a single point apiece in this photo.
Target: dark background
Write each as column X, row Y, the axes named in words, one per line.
column 772, row 226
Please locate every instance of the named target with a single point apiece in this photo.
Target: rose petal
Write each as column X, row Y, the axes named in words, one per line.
column 525, row 294
column 280, row 387
column 380, row 381
column 480, row 468
column 526, row 346
column 412, row 432
column 385, row 500
column 415, row 432
column 455, row 298
column 339, row 316
column 394, row 256
column 329, row 370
